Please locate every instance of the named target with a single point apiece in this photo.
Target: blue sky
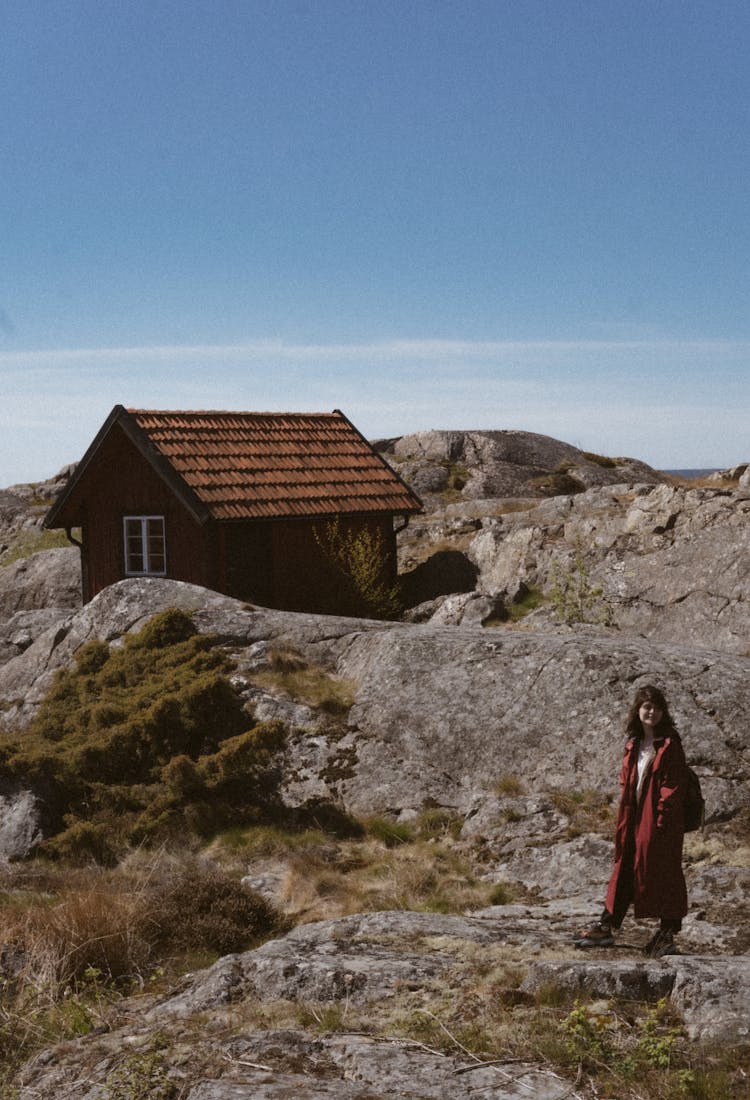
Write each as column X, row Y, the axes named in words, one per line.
column 429, row 214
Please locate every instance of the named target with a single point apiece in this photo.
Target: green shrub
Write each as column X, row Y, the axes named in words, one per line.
column 458, row 475
column 573, row 596
column 141, row 1075
column 136, row 743
column 361, row 558
column 86, row 840
column 599, row 1039
column 529, row 601
column 164, row 630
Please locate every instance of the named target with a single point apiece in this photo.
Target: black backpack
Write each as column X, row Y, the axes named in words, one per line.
column 695, row 804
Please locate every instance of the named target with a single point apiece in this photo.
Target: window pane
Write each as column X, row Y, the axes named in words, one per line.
column 156, row 555
column 133, row 546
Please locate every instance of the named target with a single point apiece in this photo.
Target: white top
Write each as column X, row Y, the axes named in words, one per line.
column 646, row 754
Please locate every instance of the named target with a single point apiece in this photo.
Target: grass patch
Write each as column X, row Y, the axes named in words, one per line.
column 268, row 841
column 587, row 810
column 415, row 866
column 501, row 894
column 119, row 924
column 529, row 601
column 437, row 823
column 291, row 674
column 458, row 475
column 33, row 541
column 388, row 832
column 679, row 482
column 628, row 1050
column 557, row 483
column 143, row 1074
column 325, row 1019
column 423, row 876
column 600, row 460
column 477, row 1010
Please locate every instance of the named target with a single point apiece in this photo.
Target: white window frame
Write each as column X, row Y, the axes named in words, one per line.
column 145, row 554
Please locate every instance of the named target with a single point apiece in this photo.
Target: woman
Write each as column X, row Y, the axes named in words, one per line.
column 649, row 831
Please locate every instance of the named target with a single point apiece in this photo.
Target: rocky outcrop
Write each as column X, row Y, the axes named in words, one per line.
column 23, row 507
column 19, row 631
column 48, row 580
column 484, row 464
column 364, row 958
column 734, row 474
column 36, row 588
column 713, row 998
column 20, row 823
column 514, row 730
column 658, row 562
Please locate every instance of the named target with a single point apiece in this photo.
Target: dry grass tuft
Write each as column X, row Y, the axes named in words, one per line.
column 418, row 865
column 290, row 673
column 74, row 942
column 509, row 786
column 368, row 875
column 118, row 925
column 588, row 811
column 701, row 482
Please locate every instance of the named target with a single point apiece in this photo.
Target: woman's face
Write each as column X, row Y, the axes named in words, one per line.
column 649, row 714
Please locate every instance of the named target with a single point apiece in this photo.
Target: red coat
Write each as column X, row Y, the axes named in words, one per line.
column 659, row 828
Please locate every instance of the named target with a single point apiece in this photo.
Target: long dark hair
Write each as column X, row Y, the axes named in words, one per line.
column 649, row 694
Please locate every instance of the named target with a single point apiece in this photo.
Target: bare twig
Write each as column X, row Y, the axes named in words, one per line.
column 489, row 1062
column 251, row 1065
column 407, row 1043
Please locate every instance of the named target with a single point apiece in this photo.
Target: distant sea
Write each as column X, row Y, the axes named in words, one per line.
column 693, row 473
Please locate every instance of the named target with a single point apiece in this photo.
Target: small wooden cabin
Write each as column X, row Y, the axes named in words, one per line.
column 238, row 502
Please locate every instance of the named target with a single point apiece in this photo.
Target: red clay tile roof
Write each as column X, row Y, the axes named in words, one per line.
column 246, row 465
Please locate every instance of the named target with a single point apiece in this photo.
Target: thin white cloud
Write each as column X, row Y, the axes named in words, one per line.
column 388, row 350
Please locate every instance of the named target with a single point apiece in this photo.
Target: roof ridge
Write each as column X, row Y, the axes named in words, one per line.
column 227, row 412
